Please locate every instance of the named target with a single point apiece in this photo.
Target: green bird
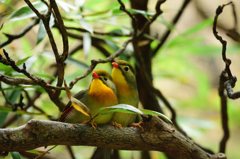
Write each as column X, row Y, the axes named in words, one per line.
column 124, row 78
column 101, row 93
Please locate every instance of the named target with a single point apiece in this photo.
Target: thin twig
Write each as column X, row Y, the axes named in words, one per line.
column 149, row 22
column 19, row 35
column 69, row 148
column 4, row 95
column 14, row 81
column 167, row 33
column 223, row 42
column 98, row 33
column 227, row 80
column 134, row 20
column 34, row 9
column 230, row 83
column 95, row 62
column 62, row 30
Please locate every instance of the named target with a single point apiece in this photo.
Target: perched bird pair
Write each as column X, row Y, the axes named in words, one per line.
column 106, row 90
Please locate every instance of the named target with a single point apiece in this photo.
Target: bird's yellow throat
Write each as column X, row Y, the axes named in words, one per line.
column 102, row 93
column 123, row 88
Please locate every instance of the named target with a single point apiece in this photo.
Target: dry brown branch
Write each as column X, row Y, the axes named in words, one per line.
column 98, row 33
column 148, row 23
column 227, row 79
column 52, row 7
column 16, row 80
column 167, row 33
column 19, row 35
column 157, row 135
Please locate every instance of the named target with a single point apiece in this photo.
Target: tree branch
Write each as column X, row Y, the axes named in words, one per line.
column 134, row 19
column 148, row 23
column 223, row 42
column 14, row 81
column 157, row 135
column 95, row 62
column 98, row 33
column 224, row 115
column 227, row 79
column 230, row 83
column 167, row 33
column 62, row 30
column 19, row 35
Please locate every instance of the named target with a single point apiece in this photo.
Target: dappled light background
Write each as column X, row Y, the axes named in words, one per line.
column 186, row 69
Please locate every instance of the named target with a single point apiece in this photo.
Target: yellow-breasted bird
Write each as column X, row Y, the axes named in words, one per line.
column 124, row 78
column 101, row 93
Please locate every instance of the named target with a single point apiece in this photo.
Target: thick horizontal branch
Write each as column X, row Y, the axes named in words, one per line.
column 157, row 135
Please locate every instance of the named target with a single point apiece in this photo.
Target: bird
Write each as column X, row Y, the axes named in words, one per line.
column 101, row 93
column 124, row 78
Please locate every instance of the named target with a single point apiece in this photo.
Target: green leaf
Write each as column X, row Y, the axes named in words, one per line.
column 199, row 27
column 79, row 3
column 3, row 67
column 3, row 116
column 142, row 12
column 117, row 11
column 18, row 63
column 15, row 155
column 86, row 25
column 104, row 5
column 87, row 43
column 69, row 60
column 164, row 22
column 6, row 1
column 12, row 96
column 9, row 109
column 117, row 31
column 33, row 151
column 77, row 63
column 26, row 12
column 120, row 108
column 112, row 44
column 151, row 112
column 42, row 31
column 66, row 6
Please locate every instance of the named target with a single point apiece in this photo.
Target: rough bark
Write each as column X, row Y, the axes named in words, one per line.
column 157, row 135
column 143, row 44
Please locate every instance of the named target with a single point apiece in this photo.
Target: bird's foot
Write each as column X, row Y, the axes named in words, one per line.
column 91, row 122
column 117, row 125
column 137, row 125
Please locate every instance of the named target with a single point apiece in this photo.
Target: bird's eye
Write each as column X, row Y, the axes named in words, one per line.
column 105, row 78
column 126, row 68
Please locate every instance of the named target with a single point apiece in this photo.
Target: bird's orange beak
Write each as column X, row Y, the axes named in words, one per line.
column 95, row 75
column 115, row 64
